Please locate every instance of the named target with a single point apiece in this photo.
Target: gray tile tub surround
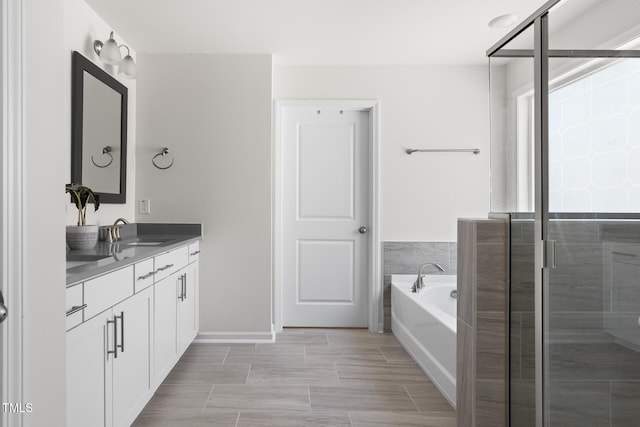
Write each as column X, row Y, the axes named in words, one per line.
column 407, row 257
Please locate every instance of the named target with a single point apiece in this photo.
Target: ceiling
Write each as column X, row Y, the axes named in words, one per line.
column 316, row 32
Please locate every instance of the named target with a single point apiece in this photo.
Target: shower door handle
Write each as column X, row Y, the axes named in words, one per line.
column 3, row 309
column 550, row 253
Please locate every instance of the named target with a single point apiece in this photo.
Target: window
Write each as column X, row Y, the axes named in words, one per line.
column 594, row 140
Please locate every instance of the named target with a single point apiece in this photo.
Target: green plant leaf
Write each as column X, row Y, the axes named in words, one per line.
column 81, row 195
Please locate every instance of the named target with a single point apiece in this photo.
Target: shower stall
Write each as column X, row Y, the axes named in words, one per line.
column 565, row 164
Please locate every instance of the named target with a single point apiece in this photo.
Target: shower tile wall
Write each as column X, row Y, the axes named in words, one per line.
column 594, row 338
column 482, row 368
column 522, row 340
column 407, row 257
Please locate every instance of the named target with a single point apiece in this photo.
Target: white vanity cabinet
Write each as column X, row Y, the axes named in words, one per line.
column 87, row 363
column 165, row 327
column 143, row 274
column 108, row 359
column 187, row 306
column 125, row 331
column 132, row 365
column 75, row 306
column 170, row 262
column 176, row 316
column 194, row 252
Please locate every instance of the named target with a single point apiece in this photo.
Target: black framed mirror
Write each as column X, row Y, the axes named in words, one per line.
column 98, row 131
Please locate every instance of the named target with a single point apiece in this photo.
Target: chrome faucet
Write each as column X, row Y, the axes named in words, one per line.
column 419, row 283
column 115, row 229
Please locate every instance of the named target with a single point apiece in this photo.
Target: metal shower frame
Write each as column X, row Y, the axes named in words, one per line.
column 544, row 247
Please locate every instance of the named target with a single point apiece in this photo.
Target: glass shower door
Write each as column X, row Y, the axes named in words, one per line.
column 591, row 295
column 565, row 136
column 512, row 94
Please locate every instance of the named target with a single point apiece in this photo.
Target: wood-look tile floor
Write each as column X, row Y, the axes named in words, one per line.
column 308, row 377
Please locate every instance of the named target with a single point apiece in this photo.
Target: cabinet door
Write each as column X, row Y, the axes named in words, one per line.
column 165, row 327
column 131, row 369
column 88, row 372
column 187, row 306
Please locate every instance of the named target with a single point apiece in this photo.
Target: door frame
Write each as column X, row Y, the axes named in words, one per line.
column 372, row 108
column 12, row 175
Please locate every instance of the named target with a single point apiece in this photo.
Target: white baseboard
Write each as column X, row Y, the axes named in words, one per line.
column 236, row 337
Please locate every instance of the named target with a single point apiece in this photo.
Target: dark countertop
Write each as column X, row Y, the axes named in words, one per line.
column 139, row 242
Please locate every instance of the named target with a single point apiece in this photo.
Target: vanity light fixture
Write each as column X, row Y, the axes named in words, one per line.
column 109, row 53
column 503, row 21
column 127, row 67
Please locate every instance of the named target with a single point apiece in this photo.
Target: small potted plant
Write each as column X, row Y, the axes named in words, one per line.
column 82, row 236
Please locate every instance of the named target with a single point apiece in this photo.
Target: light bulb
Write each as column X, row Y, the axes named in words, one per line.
column 110, row 52
column 127, row 67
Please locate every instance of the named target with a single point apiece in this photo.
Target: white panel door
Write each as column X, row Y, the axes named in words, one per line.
column 325, row 205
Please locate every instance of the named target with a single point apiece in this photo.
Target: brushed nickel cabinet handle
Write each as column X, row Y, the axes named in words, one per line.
column 75, row 309
column 115, row 338
column 194, row 253
column 146, row 276
column 121, row 317
column 184, row 285
column 164, row 268
column 181, row 282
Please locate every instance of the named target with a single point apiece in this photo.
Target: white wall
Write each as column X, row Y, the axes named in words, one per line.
column 82, row 27
column 214, row 114
column 46, row 153
column 420, row 107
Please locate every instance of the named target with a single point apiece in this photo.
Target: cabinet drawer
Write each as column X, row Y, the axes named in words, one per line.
column 194, row 251
column 143, row 274
column 74, row 306
column 170, row 262
column 106, row 291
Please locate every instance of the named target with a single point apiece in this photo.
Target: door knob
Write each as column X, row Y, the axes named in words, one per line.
column 362, row 229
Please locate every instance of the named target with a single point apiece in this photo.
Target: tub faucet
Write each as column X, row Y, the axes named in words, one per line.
column 419, row 283
column 115, row 229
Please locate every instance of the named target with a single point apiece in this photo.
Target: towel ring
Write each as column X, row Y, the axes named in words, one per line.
column 162, row 153
column 106, row 150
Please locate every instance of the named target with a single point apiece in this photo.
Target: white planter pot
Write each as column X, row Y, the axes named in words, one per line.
column 82, row 237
